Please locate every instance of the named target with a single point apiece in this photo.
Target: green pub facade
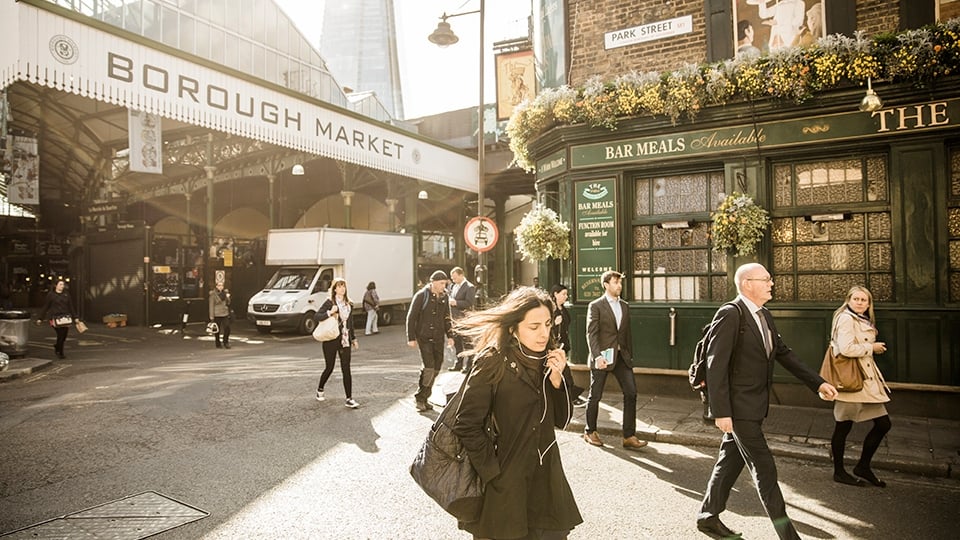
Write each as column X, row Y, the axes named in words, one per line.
column 855, row 198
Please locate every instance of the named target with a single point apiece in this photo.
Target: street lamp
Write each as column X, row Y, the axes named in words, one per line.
column 443, row 36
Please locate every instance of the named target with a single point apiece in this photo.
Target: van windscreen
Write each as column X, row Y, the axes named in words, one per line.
column 291, row 279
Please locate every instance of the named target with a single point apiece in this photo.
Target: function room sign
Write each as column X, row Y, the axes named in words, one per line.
column 596, row 249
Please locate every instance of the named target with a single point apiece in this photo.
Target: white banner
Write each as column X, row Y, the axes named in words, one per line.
column 71, row 56
column 24, row 186
column 145, row 140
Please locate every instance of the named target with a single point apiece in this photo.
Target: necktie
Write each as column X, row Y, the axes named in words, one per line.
column 766, row 331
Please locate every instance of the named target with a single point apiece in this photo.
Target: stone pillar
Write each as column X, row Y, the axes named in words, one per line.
column 347, row 204
column 211, row 171
column 271, row 179
column 392, row 213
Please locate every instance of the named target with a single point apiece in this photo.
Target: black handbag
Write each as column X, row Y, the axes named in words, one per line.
column 443, row 470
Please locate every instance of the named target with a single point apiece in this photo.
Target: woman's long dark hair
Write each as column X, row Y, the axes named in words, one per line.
column 559, row 287
column 491, row 328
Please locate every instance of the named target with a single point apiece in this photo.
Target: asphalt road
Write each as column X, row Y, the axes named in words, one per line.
column 238, row 434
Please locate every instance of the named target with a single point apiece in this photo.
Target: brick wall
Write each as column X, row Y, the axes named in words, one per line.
column 878, row 16
column 590, row 19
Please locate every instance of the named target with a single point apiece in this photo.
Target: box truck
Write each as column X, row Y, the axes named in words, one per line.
column 310, row 259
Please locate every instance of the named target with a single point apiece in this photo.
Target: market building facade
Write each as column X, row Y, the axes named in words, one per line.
column 157, row 142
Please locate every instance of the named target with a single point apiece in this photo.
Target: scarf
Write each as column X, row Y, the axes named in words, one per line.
column 344, row 310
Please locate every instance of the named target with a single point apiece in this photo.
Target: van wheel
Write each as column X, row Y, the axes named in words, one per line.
column 307, row 324
column 386, row 317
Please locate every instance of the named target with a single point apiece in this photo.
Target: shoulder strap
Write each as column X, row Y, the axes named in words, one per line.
column 459, row 394
column 736, row 340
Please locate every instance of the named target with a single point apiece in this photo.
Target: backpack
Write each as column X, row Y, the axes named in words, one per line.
column 698, row 368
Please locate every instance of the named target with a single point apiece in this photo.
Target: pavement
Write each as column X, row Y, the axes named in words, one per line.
column 919, row 445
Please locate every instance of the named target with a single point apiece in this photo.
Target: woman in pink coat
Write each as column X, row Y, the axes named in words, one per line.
column 855, row 336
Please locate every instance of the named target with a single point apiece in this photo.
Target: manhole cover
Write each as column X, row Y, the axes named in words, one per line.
column 130, row 518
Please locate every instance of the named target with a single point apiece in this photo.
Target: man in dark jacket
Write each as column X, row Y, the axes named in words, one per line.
column 429, row 327
column 738, row 383
column 462, row 296
column 608, row 332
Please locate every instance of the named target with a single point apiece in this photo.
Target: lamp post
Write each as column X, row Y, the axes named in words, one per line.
column 443, row 36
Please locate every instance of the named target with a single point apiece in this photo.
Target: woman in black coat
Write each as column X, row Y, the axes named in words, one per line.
column 518, row 377
column 561, row 334
column 59, row 308
column 338, row 305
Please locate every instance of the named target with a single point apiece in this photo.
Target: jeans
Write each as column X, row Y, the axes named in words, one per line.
column 431, row 354
column 371, row 327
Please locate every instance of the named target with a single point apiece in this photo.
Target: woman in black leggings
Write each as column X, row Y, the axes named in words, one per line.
column 59, row 308
column 855, row 336
column 338, row 305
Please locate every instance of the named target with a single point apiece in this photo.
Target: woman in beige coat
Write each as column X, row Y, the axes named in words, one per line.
column 855, row 335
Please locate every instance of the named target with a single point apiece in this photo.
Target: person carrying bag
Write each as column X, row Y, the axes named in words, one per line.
column 855, row 338
column 59, row 308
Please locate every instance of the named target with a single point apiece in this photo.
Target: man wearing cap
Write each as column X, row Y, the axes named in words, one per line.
column 429, row 327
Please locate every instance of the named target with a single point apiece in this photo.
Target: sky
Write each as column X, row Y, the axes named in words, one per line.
column 435, row 79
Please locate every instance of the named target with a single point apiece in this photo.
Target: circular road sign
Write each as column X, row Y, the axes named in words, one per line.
column 481, row 234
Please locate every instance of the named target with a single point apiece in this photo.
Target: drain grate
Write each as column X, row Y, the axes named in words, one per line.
column 131, row 518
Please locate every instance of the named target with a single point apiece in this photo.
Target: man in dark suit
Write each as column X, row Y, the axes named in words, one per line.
column 462, row 296
column 738, row 385
column 608, row 332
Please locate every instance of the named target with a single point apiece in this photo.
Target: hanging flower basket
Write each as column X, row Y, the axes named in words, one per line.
column 542, row 235
column 738, row 225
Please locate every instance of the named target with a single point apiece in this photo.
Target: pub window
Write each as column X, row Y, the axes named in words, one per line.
column 953, row 225
column 672, row 255
column 832, row 229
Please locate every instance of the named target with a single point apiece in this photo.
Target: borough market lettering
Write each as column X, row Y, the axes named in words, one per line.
column 158, row 79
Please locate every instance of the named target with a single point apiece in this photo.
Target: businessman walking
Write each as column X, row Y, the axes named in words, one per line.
column 738, row 384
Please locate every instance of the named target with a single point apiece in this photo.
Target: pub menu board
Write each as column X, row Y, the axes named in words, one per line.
column 596, row 247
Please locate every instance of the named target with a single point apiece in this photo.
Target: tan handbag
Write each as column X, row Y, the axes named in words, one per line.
column 81, row 326
column 843, row 372
column 327, row 329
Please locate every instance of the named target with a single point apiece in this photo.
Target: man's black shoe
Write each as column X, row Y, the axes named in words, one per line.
column 715, row 528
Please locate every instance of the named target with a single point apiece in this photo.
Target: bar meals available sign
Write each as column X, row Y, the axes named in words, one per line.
column 596, row 248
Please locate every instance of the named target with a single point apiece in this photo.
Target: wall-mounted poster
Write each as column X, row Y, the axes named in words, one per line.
column 516, row 81
column 764, row 26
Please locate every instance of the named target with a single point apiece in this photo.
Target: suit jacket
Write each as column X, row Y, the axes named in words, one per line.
column 602, row 331
column 465, row 297
column 738, row 382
